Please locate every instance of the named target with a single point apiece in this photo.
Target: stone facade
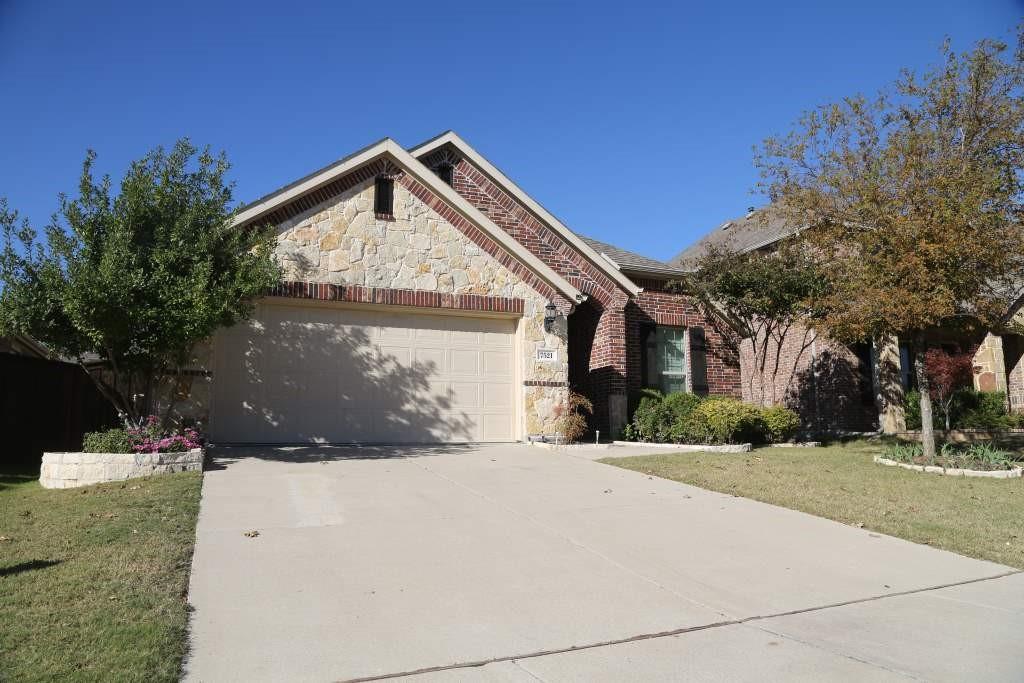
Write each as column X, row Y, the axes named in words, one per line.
column 341, row 241
column 68, row 470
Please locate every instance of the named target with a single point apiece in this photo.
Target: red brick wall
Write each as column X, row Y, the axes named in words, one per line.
column 606, row 356
column 654, row 305
column 812, row 374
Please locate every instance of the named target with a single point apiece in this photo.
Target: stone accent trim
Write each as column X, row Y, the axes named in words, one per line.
column 322, row 291
column 543, row 383
column 68, row 470
column 478, row 237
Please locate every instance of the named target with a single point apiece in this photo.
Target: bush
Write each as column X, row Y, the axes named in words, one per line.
column 150, row 437
column 725, row 420
column 679, row 406
column 969, row 409
column 111, row 441
column 570, row 418
column 980, row 410
column 780, row 423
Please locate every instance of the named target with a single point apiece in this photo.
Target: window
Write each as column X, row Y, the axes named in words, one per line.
column 384, row 197
column 445, row 172
column 664, row 358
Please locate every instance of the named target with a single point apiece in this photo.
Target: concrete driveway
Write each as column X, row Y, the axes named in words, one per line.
column 511, row 563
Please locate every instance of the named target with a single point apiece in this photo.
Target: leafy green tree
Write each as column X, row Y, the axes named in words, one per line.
column 135, row 279
column 761, row 298
column 912, row 201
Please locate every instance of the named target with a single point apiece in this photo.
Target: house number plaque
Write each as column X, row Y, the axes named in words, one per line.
column 547, row 355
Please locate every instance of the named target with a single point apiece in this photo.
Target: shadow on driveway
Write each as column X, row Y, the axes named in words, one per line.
column 220, row 457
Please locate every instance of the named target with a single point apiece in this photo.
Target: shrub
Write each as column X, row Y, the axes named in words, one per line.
column 147, row 438
column 111, row 441
column 570, row 418
column 679, row 406
column 725, row 420
column 980, row 410
column 969, row 409
column 661, row 419
column 780, row 423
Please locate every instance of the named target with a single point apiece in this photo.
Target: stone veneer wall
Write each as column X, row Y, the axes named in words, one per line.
column 68, row 470
column 341, row 241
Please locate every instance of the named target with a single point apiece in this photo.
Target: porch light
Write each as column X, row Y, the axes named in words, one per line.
column 550, row 313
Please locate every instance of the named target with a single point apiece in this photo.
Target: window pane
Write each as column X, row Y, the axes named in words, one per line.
column 673, row 383
column 671, row 356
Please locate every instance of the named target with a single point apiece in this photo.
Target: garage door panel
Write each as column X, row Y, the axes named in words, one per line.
column 497, row 362
column 464, row 361
column 317, row 373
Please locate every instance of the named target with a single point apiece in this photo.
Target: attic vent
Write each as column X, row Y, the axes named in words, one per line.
column 384, row 197
column 750, row 211
column 445, row 171
column 726, row 225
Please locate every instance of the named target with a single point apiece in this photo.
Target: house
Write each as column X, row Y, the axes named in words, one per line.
column 840, row 387
column 427, row 298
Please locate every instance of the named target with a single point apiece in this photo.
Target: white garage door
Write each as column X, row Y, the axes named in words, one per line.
column 296, row 374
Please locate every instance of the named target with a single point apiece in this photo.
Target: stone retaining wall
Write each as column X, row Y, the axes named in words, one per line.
column 67, row 470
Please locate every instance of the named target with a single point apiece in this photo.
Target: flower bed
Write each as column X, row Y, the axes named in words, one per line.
column 955, row 472
column 974, row 460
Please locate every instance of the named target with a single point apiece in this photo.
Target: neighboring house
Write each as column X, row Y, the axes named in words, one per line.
column 839, row 387
column 427, row 298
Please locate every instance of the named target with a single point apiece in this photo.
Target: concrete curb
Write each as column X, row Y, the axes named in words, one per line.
column 569, row 446
column 690, row 448
column 931, row 469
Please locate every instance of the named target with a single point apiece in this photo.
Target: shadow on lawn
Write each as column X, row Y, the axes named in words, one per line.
column 27, row 567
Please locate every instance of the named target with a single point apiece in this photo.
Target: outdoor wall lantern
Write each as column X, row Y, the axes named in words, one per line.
column 550, row 313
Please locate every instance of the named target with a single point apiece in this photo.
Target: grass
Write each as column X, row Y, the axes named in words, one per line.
column 980, row 518
column 93, row 580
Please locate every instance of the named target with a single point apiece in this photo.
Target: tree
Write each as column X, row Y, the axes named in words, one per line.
column 912, row 202
column 137, row 279
column 760, row 298
column 947, row 372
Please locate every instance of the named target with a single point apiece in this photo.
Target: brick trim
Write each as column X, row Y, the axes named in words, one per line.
column 320, row 195
column 386, row 296
column 527, row 229
column 543, row 383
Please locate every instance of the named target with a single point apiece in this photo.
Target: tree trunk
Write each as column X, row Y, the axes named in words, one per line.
column 927, row 425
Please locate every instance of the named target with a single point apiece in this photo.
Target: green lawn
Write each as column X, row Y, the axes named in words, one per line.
column 981, row 518
column 93, row 580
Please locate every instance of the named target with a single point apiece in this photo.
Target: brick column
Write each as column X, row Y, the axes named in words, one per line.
column 608, row 369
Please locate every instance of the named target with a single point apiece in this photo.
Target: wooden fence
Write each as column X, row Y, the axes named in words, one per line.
column 45, row 406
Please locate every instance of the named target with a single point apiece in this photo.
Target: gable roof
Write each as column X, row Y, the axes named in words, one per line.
column 451, row 138
column 631, row 262
column 400, row 157
column 755, row 230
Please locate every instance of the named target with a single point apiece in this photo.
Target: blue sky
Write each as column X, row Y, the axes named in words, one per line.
column 632, row 122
